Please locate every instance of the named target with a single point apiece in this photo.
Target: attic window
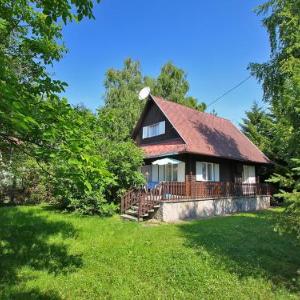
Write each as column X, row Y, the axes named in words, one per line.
column 154, row 130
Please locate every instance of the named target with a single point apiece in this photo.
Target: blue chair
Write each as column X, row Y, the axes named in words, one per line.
column 151, row 185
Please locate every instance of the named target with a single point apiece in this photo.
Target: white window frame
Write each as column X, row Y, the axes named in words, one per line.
column 215, row 171
column 154, row 130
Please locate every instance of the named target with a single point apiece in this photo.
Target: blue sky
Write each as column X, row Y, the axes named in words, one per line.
column 213, row 41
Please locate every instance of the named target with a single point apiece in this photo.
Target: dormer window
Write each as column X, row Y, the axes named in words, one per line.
column 154, row 130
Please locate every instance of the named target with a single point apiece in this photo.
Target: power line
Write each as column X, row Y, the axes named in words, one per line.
column 227, row 92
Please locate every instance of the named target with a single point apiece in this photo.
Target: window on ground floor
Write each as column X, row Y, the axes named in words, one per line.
column 207, row 171
column 167, row 172
column 249, row 174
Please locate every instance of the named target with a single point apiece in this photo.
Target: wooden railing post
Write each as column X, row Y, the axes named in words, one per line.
column 190, row 187
column 187, row 186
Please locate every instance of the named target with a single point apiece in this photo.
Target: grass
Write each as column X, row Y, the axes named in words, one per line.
column 49, row 255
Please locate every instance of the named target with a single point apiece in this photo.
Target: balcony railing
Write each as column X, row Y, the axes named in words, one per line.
column 199, row 190
column 145, row 199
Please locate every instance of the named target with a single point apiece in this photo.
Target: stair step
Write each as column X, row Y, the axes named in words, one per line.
column 129, row 217
column 131, row 211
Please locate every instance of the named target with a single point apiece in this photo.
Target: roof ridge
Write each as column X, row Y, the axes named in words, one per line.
column 190, row 108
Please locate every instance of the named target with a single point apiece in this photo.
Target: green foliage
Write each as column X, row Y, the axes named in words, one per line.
column 77, row 170
column 258, row 126
column 289, row 184
column 66, row 143
column 280, row 78
column 124, row 161
column 122, row 106
column 30, row 39
column 21, row 181
column 172, row 84
column 47, row 255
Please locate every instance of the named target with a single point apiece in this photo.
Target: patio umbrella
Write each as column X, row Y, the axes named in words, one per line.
column 165, row 161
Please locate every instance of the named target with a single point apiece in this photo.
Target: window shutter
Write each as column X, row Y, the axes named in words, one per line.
column 216, row 172
column 162, row 126
column 161, row 174
column 145, row 132
column 245, row 174
column 155, row 173
column 181, row 172
column 251, row 170
column 199, row 174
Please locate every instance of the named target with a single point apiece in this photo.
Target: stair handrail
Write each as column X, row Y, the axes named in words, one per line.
column 129, row 198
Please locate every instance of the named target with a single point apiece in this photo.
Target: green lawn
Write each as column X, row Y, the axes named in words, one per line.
column 50, row 255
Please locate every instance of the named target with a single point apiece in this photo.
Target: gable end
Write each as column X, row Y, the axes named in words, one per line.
column 151, row 115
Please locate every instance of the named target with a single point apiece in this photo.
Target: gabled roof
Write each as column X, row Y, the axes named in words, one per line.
column 203, row 133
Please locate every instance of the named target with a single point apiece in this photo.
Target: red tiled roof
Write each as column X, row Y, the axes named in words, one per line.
column 164, row 148
column 205, row 134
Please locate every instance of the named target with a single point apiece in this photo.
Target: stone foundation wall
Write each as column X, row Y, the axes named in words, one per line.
column 172, row 211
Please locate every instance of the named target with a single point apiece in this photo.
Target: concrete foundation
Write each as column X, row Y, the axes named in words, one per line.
column 172, row 211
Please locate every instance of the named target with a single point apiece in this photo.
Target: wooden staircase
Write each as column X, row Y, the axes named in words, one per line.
column 132, row 214
column 138, row 204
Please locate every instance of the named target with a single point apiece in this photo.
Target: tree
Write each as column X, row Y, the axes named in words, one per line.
column 280, row 78
column 33, row 119
column 122, row 107
column 258, row 127
column 172, row 84
column 71, row 147
column 30, row 40
column 289, row 190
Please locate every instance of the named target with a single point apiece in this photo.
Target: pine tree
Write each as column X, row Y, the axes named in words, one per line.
column 258, row 127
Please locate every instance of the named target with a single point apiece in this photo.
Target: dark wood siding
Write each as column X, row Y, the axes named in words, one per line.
column 152, row 116
column 230, row 170
column 227, row 167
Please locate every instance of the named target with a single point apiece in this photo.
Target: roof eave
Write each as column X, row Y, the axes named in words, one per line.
column 208, row 155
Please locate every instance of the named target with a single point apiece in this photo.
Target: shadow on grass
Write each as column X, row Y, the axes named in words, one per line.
column 34, row 294
column 25, row 242
column 247, row 245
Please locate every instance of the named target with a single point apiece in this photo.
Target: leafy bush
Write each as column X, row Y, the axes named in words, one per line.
column 93, row 204
column 123, row 161
column 21, row 180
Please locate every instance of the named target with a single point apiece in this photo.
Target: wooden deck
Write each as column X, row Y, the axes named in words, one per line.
column 140, row 201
